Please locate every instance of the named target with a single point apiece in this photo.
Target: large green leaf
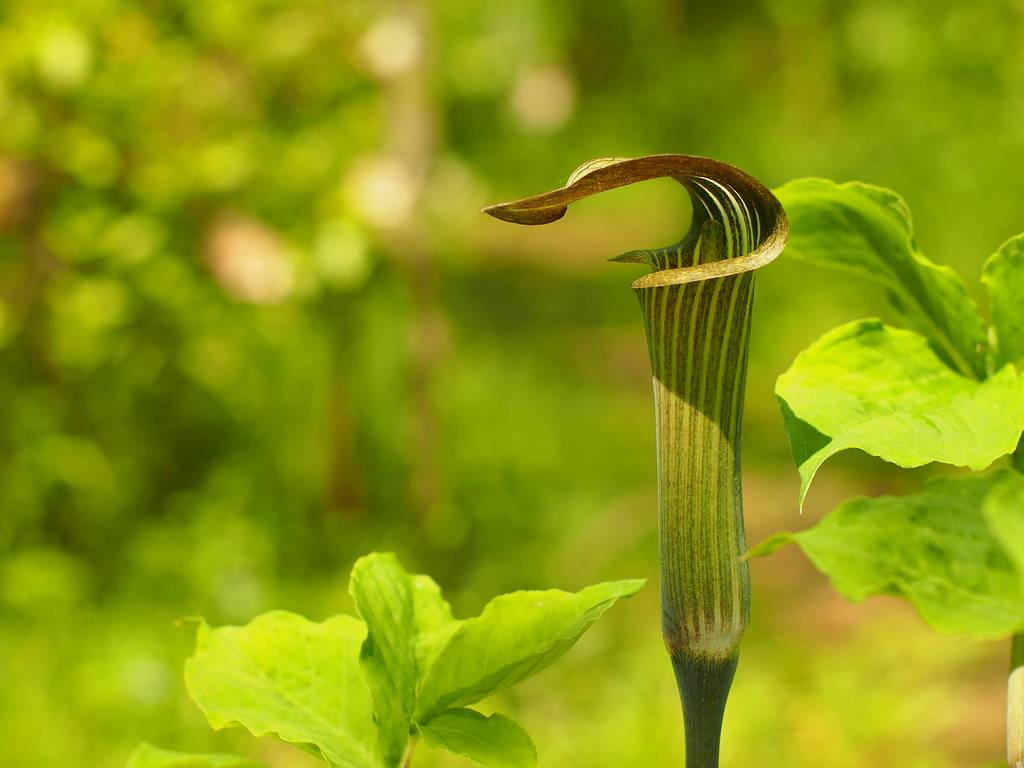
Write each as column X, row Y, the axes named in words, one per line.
column 516, row 636
column 933, row 548
column 493, row 742
column 383, row 594
column 883, row 390
column 148, row 756
column 1004, row 277
column 282, row 674
column 866, row 231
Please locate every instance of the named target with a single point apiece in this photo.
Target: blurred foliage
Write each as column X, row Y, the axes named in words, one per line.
column 252, row 325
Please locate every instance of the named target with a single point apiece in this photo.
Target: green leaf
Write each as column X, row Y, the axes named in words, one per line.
column 516, row 636
column 1004, row 513
column 434, row 622
column 383, row 594
column 933, row 548
column 1004, row 276
column 408, row 622
column 148, row 756
column 493, row 742
column 284, row 675
column 884, row 391
column 866, row 231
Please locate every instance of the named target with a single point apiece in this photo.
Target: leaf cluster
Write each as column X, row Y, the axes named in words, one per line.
column 947, row 389
column 361, row 692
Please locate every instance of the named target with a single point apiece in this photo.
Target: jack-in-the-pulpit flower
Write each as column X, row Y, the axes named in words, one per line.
column 696, row 308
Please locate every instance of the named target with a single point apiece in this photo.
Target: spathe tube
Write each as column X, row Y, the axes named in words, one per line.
column 696, row 306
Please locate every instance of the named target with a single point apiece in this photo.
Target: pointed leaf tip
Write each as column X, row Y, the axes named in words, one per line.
column 529, row 216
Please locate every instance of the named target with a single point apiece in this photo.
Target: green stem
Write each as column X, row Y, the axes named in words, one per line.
column 410, row 747
column 704, row 688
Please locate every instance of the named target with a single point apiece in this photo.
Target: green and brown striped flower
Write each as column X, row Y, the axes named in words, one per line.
column 696, row 307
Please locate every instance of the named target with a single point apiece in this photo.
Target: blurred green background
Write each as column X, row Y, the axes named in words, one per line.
column 253, row 325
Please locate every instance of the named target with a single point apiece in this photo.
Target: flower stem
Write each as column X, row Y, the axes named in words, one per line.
column 704, row 687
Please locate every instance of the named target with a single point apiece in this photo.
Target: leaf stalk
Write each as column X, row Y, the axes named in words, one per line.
column 410, row 748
